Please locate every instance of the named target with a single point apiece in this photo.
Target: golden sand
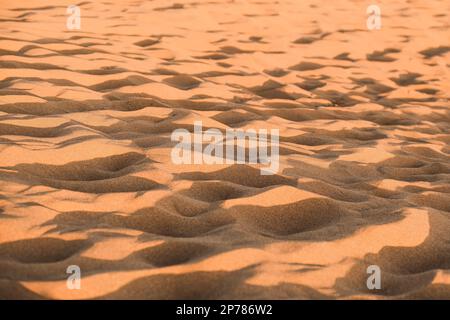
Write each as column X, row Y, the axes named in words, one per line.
column 86, row 177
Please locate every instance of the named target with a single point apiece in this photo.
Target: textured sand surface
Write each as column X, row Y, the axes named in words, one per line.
column 86, row 176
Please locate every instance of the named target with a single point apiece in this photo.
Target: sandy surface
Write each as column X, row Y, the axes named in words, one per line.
column 86, row 176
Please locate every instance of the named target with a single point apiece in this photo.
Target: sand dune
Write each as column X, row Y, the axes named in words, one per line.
column 86, row 176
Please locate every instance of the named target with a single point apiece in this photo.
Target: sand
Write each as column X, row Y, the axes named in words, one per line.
column 86, row 176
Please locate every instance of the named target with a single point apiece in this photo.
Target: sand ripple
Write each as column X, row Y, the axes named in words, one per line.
column 85, row 171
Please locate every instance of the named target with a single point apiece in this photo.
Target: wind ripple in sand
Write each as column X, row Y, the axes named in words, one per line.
column 85, row 171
